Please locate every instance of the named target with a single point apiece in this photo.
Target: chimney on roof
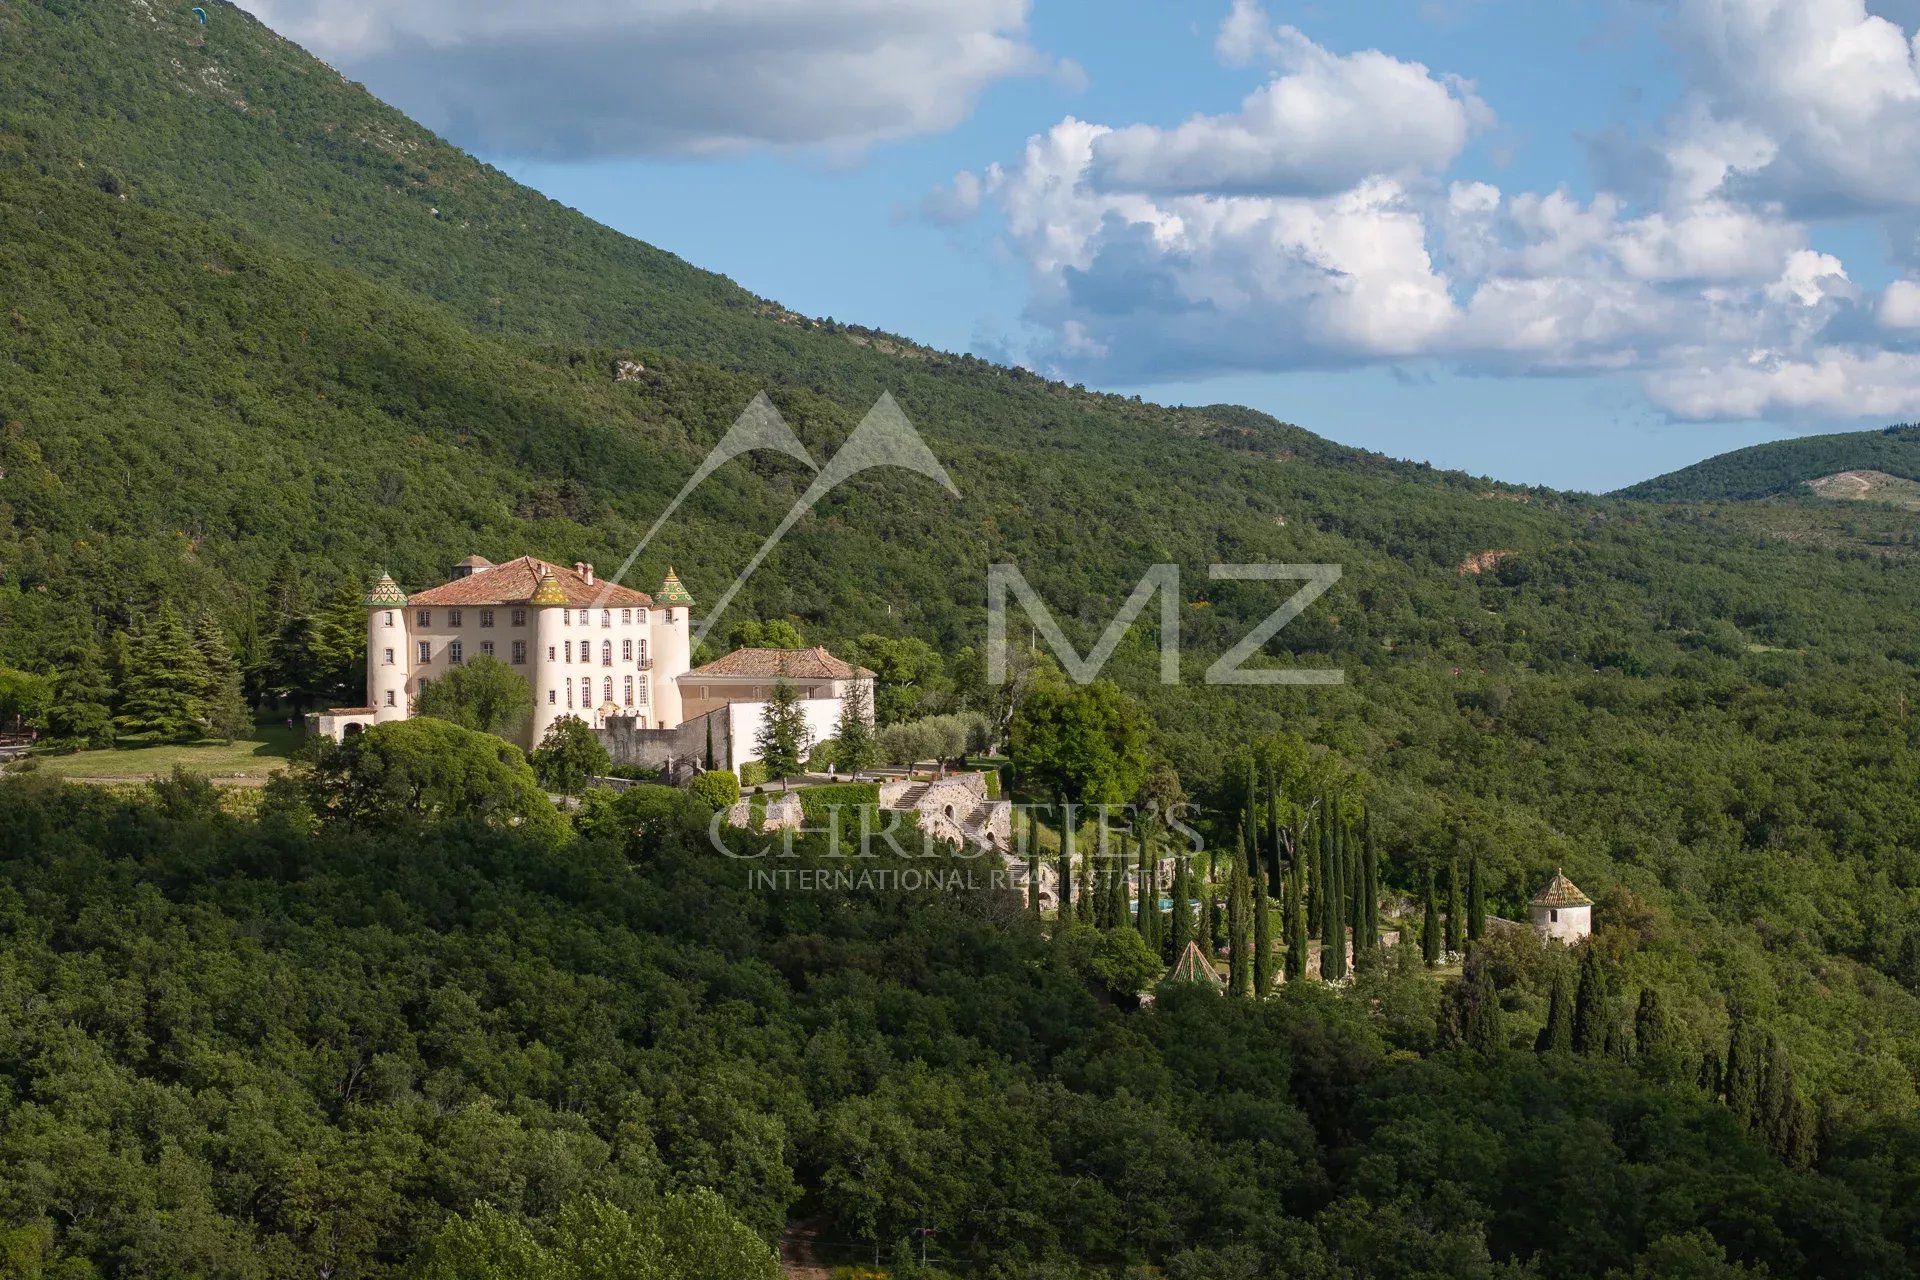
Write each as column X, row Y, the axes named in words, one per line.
column 587, row 572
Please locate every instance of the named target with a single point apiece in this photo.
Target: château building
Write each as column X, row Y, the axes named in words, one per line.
column 616, row 658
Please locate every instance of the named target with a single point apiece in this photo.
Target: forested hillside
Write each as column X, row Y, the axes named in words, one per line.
column 1783, row 466
column 260, row 334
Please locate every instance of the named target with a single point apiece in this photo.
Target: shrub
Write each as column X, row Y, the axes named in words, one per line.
column 717, row 788
column 753, row 773
column 817, row 802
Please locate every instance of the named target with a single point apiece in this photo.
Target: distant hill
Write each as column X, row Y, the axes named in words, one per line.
column 1782, row 466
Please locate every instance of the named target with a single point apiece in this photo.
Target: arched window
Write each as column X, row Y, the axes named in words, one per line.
column 606, row 617
column 609, row 692
column 629, row 691
column 606, row 655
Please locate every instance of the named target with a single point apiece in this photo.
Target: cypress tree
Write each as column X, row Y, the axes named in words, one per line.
column 1590, row 1015
column 1145, row 906
column 1087, row 905
column 1207, row 929
column 1371, row 880
column 1708, row 1077
column 1297, row 920
column 1333, row 947
column 1770, row 1109
column 1274, row 870
column 1479, row 1008
column 1653, row 1035
column 1740, row 1080
column 1180, row 923
column 1262, row 931
column 1557, row 1035
column 1456, row 909
column 164, row 676
column 1476, row 901
column 1066, row 867
column 1358, row 915
column 709, row 761
column 1430, row 927
column 1239, row 941
column 1033, row 851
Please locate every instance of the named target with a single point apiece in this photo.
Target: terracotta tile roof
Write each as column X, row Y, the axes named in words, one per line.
column 515, row 581
column 1561, row 892
column 770, row 664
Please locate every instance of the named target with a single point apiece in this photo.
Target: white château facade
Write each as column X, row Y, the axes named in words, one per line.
column 614, row 657
column 589, row 648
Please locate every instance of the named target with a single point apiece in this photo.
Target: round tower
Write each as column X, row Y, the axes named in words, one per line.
column 1561, row 911
column 672, row 646
column 549, row 675
column 389, row 655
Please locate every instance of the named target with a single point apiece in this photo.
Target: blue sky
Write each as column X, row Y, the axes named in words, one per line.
column 1572, row 245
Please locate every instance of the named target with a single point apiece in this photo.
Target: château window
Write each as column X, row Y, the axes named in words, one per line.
column 424, row 617
column 386, row 657
column 643, row 652
column 453, row 651
column 629, row 691
column 608, row 688
column 1553, row 915
column 643, row 693
column 643, row 617
column 626, row 651
column 549, row 653
column 453, row 617
column 606, row 654
column 586, row 653
column 519, row 653
column 426, row 652
column 389, row 697
column 569, row 651
column 606, row 617
column 566, row 617
column 389, row 621
column 486, row 648
column 626, row 617
column 486, row 617
column 569, row 693
column 519, row 617
column 552, row 697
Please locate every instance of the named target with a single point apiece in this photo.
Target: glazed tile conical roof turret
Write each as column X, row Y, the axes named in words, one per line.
column 672, row 591
column 548, row 592
column 1561, row 892
column 385, row 592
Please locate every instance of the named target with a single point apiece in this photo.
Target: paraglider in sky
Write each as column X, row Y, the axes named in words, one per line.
column 201, row 14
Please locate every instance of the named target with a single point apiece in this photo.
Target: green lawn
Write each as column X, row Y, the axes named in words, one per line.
column 252, row 759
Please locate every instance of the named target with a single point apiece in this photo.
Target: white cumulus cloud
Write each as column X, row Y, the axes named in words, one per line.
column 625, row 77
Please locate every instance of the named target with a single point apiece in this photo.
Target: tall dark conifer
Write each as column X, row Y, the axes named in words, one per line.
column 1262, row 931
column 1456, row 909
column 1297, row 919
column 1430, row 926
column 1476, row 901
column 1557, row 1035
column 1371, row 881
column 1065, row 865
column 1591, row 1007
column 1333, row 944
column 1239, row 932
column 1180, row 922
